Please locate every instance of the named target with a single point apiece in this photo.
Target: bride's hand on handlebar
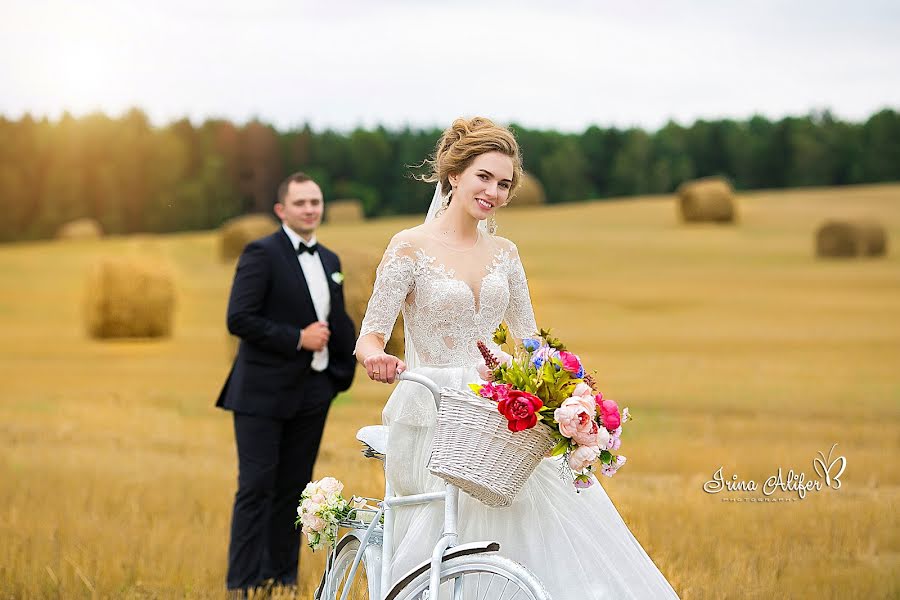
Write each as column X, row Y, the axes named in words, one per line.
column 384, row 367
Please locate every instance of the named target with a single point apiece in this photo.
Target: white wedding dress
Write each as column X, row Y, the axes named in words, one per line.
column 576, row 543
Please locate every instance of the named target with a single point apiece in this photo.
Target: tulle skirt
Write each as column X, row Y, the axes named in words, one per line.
column 575, row 543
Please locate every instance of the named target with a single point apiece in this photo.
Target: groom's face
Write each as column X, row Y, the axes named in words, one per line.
column 301, row 209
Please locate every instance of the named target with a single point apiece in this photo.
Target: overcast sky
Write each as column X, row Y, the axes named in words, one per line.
column 562, row 65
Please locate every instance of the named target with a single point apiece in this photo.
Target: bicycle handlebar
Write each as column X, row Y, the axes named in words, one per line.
column 422, row 380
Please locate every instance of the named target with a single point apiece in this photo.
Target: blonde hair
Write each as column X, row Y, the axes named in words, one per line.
column 463, row 142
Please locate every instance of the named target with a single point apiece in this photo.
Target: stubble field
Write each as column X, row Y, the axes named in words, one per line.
column 732, row 345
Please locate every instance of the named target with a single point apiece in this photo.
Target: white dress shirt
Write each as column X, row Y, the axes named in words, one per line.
column 317, row 282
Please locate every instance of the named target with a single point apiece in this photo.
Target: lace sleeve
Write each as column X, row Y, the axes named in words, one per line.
column 393, row 281
column 519, row 315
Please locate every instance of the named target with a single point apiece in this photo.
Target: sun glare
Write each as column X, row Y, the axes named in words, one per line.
column 84, row 79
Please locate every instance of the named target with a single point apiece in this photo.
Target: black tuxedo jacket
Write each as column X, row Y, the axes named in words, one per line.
column 269, row 305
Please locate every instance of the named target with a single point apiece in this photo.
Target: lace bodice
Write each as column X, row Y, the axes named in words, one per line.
column 449, row 299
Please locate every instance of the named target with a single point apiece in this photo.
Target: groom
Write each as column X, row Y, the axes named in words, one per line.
column 295, row 355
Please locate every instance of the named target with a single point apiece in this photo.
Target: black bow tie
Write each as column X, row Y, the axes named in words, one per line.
column 304, row 248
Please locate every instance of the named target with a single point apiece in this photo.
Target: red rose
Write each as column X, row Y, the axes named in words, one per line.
column 520, row 409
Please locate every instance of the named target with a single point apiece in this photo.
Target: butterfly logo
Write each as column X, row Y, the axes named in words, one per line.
column 823, row 471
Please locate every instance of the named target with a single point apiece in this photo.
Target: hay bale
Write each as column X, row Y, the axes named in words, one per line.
column 344, row 211
column 707, row 200
column 529, row 193
column 80, row 229
column 359, row 277
column 838, row 239
column 129, row 297
column 240, row 231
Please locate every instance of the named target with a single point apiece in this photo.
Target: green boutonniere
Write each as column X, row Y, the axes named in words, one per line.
column 337, row 277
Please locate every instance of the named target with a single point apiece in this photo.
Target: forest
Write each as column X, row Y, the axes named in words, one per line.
column 132, row 176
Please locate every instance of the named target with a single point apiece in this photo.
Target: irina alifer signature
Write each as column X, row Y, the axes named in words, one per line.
column 829, row 476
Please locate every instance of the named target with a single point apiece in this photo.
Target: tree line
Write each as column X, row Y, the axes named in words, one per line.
column 132, row 176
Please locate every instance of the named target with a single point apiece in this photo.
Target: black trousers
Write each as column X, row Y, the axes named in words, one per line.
column 275, row 462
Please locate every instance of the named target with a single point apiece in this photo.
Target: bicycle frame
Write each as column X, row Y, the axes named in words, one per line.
column 449, row 536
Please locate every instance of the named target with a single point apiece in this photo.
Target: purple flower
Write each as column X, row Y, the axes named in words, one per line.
column 610, row 469
column 583, row 482
column 543, row 354
column 614, row 440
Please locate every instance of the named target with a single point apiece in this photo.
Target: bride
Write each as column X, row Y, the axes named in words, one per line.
column 455, row 281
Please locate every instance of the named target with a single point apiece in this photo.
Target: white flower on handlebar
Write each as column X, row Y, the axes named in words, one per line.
column 322, row 508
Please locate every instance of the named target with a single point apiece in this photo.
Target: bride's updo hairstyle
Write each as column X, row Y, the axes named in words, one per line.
column 467, row 139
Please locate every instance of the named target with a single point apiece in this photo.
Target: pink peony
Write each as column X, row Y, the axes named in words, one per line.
column 574, row 417
column 596, row 436
column 609, row 414
column 330, row 486
column 587, row 438
column 570, row 362
column 312, row 523
column 583, row 389
column 582, row 457
column 520, row 409
column 587, row 403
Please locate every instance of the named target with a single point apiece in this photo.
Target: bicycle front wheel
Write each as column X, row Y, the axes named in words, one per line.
column 476, row 577
column 333, row 585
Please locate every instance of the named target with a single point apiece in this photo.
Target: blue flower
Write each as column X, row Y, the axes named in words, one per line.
column 538, row 361
column 580, row 373
column 531, row 344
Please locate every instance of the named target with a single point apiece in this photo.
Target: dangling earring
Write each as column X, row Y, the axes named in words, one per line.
column 444, row 204
column 492, row 225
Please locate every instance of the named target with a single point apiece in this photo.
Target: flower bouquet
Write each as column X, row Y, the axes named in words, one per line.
column 539, row 381
column 322, row 508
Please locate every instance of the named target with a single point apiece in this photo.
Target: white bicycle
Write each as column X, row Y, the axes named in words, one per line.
column 358, row 566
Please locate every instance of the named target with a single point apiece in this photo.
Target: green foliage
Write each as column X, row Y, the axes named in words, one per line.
column 501, row 335
column 367, row 195
column 562, row 445
column 549, row 382
column 553, row 342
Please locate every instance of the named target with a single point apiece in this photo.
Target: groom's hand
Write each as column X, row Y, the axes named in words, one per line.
column 383, row 367
column 315, row 336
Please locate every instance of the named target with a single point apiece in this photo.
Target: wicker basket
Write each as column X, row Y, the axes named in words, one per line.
column 474, row 449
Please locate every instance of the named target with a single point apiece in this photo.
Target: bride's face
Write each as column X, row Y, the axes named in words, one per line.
column 484, row 186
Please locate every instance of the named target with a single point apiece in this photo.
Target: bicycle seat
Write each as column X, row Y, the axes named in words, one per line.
column 375, row 437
